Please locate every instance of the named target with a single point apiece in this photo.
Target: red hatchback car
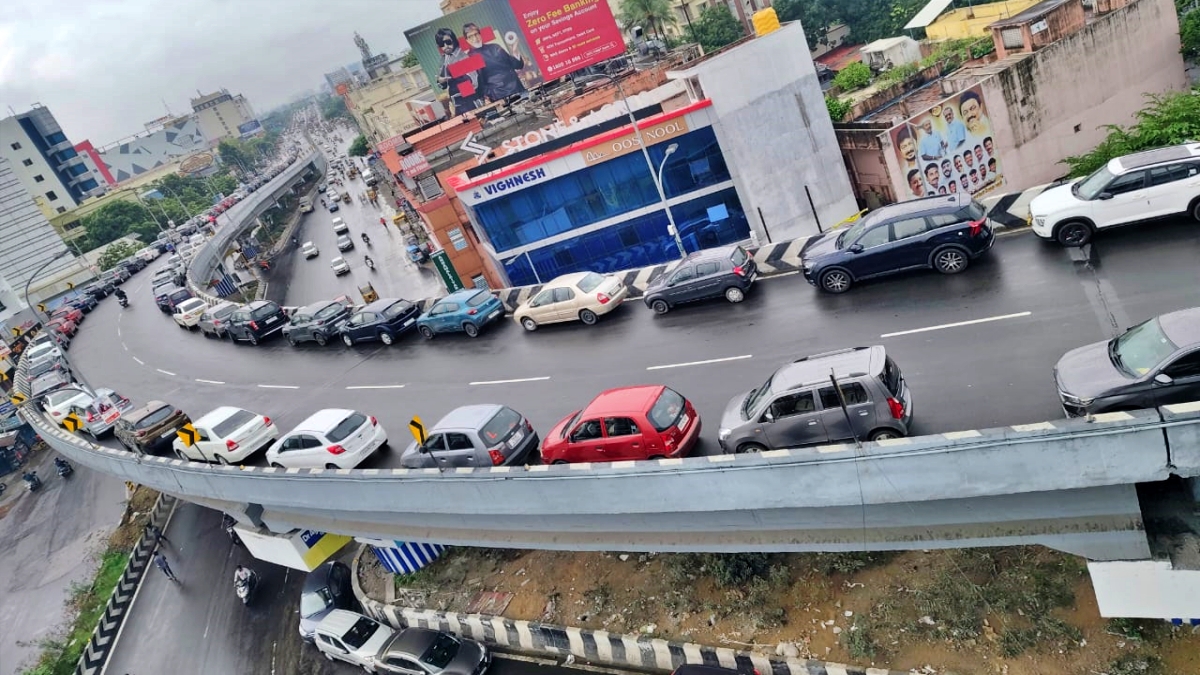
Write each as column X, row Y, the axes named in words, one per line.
column 69, row 313
column 629, row 423
column 64, row 326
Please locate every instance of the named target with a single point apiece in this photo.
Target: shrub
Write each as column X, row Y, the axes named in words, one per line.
column 854, row 76
column 838, row 108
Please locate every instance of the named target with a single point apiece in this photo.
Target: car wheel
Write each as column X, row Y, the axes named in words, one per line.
column 1073, row 233
column 884, row 434
column 529, row 324
column 331, row 466
column 276, row 465
column 655, row 458
column 349, row 341
column 745, row 448
column 181, row 325
column 320, row 339
column 588, row 317
column 558, row 462
column 471, row 329
column 386, row 337
column 292, row 340
column 253, row 339
column 950, row 260
column 426, row 332
column 222, row 460
column 660, row 307
column 1195, row 210
column 735, row 294
column 206, row 334
column 836, row 281
column 327, row 655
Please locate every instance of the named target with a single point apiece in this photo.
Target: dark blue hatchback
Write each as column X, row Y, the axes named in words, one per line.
column 381, row 320
column 943, row 233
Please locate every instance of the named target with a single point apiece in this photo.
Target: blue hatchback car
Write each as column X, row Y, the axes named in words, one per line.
column 381, row 320
column 467, row 311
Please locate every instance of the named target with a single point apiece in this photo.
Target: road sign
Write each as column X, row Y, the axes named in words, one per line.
column 42, row 307
column 72, row 422
column 16, row 332
column 188, row 435
column 417, row 427
column 71, row 285
column 3, row 377
column 18, row 398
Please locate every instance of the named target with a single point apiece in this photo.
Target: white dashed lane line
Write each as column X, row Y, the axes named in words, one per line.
column 377, row 386
column 277, row 386
column 209, row 381
column 522, row 379
column 165, row 372
column 140, row 362
column 957, row 324
column 701, row 363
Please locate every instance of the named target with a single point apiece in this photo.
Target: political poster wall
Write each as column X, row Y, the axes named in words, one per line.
column 496, row 49
column 948, row 149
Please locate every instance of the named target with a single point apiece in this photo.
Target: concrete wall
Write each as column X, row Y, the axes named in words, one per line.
column 776, row 133
column 1052, row 105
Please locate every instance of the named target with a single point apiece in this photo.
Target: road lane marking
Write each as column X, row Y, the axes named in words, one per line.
column 972, row 322
column 209, row 381
column 522, row 379
column 377, row 386
column 141, row 362
column 701, row 363
column 165, row 372
column 277, row 386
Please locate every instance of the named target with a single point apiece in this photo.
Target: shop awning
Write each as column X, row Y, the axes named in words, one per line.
column 928, row 14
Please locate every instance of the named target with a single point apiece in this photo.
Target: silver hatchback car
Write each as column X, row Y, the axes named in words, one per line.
column 798, row 405
column 475, row 435
column 102, row 412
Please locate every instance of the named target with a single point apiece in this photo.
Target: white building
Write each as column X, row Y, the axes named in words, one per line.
column 222, row 115
column 45, row 162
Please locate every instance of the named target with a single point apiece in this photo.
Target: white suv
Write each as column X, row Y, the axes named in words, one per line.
column 1129, row 189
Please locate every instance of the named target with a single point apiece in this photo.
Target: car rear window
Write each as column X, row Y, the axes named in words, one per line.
column 360, row 632
column 972, row 211
column 738, row 256
column 155, row 417
column 397, row 309
column 478, row 299
column 500, row 426
column 590, row 281
column 666, row 410
column 181, row 294
column 234, row 422
column 265, row 311
column 224, row 312
column 346, row 427
column 891, row 376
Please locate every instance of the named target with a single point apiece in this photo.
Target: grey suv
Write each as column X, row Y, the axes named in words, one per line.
column 1157, row 362
column 317, row 322
column 798, row 405
column 728, row 271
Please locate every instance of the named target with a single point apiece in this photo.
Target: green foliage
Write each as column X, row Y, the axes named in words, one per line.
column 333, row 107
column 854, row 76
column 409, row 60
column 1189, row 34
column 1136, row 664
column 715, row 28
column 1168, row 119
column 183, row 197
column 814, row 15
column 651, row 15
column 859, row 640
column 61, row 656
column 233, row 154
column 867, row 19
column 116, row 252
column 850, row 562
column 117, row 219
column 359, row 147
column 838, row 108
column 897, row 74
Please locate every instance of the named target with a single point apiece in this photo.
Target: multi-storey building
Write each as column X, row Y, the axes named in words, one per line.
column 222, row 115
column 45, row 161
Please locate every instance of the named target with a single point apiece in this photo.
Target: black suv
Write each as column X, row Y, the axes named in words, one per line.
column 728, row 271
column 256, row 321
column 100, row 289
column 944, row 233
column 317, row 322
column 167, row 297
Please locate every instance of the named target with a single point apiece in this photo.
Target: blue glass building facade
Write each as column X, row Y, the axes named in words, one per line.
column 608, row 217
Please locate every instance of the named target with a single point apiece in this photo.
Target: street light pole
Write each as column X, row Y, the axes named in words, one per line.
column 662, row 196
column 46, row 320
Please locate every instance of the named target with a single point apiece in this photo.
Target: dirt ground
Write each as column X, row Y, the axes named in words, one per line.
column 1011, row 611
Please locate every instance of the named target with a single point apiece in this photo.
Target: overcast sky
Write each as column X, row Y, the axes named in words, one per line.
column 104, row 67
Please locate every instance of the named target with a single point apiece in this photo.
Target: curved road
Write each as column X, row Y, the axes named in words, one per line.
column 991, row 373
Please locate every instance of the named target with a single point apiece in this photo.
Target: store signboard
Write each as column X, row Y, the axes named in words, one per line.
column 628, row 143
column 445, row 269
column 568, row 35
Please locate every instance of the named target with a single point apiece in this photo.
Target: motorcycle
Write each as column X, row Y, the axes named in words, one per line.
column 63, row 467
column 245, row 587
column 123, row 301
column 227, row 523
column 32, row 481
column 370, row 263
column 366, row 239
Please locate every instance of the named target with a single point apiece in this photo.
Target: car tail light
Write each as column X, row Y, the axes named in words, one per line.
column 216, row 322
column 896, row 408
column 497, row 457
column 253, row 325
column 140, row 433
column 374, row 422
column 266, row 421
column 335, row 449
column 603, row 298
column 739, row 271
column 91, row 417
column 231, row 445
column 976, row 227
column 472, row 312
column 124, row 400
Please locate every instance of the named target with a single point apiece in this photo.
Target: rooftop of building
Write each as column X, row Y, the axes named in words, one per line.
column 207, row 98
column 916, row 100
column 1031, row 13
column 884, row 44
column 841, row 56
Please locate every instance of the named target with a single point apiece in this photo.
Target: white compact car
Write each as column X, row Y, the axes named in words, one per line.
column 334, row 438
column 310, row 250
column 1130, row 189
column 340, row 266
column 340, row 226
column 350, row 637
column 187, row 313
column 227, row 435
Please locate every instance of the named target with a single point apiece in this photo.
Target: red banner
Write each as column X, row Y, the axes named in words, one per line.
column 567, row 35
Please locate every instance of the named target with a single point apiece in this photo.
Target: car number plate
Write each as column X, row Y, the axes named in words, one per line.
column 516, row 439
column 495, row 312
column 409, row 322
column 272, row 319
column 168, row 434
column 682, row 423
column 111, row 417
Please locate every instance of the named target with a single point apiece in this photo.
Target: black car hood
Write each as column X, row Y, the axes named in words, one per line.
column 821, row 245
column 1087, row 372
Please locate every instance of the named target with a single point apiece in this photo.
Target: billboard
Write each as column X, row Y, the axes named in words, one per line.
column 495, row 49
column 249, row 128
column 947, row 149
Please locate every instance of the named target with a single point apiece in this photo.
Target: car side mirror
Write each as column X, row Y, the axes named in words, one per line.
column 768, row 416
column 1163, row 379
column 856, row 248
column 1104, row 196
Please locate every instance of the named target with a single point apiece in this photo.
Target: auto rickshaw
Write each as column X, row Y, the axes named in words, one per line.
column 368, row 293
column 371, row 195
column 353, row 172
column 399, row 218
column 346, row 197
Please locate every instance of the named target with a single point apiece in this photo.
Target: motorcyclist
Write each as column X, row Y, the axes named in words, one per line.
column 370, row 263
column 366, row 239
column 60, row 463
column 241, row 575
column 120, row 294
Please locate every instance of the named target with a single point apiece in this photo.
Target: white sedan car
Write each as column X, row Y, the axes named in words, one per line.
column 340, row 266
column 187, row 313
column 227, row 435
column 334, row 438
column 310, row 250
column 340, row 226
column 353, row 638
column 58, row 403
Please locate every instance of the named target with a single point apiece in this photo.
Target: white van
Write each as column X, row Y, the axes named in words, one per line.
column 369, row 177
column 306, row 205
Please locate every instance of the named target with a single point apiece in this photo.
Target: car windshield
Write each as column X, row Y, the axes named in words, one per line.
column 156, row 417
column 1093, row 185
column 1141, row 348
column 501, row 424
column 755, row 397
column 666, row 410
column 360, row 632
column 441, row 652
column 397, row 309
column 232, row 423
column 590, row 281
column 347, row 427
column 315, row 601
column 854, row 232
column 265, row 311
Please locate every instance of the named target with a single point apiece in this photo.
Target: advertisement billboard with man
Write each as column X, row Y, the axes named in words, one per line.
column 497, row 49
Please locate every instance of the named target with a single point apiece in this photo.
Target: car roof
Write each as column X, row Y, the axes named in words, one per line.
column 624, row 400
column 463, row 295
column 324, row 420
column 339, row 621
column 217, row 415
column 1141, row 160
column 816, row 368
column 468, row 416
column 1182, row 327
column 915, row 206
column 572, row 279
column 412, row 641
column 381, row 304
column 222, row 306
column 317, row 306
column 719, row 253
column 192, row 301
column 257, row 304
column 139, row 413
column 319, row 578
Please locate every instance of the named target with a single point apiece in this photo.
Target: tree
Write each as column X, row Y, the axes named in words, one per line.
column 715, row 28
column 333, row 107
column 651, row 15
column 410, row 59
column 867, row 19
column 815, row 15
column 1169, row 119
column 838, row 108
column 117, row 219
column 1189, row 34
column 854, row 76
column 233, row 155
column 359, row 147
column 116, row 252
